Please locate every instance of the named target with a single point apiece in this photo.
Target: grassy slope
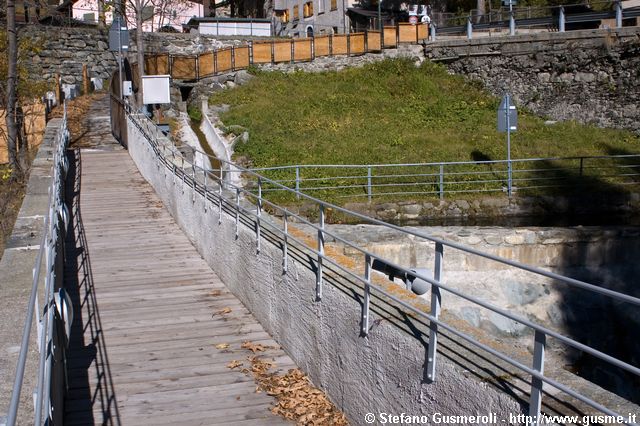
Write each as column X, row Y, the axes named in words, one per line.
column 392, row 112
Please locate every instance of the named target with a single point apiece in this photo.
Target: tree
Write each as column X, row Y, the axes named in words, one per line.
column 17, row 88
column 17, row 166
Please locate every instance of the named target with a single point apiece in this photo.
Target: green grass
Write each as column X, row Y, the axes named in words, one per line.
column 393, row 112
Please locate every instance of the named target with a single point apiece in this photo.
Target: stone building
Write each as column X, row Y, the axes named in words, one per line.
column 300, row 18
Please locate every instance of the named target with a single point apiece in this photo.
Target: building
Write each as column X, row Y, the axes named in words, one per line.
column 307, row 18
column 164, row 15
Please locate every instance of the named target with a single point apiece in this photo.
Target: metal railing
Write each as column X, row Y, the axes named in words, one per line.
column 54, row 309
column 236, row 202
column 546, row 17
column 439, row 180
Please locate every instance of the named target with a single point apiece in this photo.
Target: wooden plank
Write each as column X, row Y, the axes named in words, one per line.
column 282, row 51
column 373, row 41
column 183, row 68
column 390, row 37
column 241, row 57
column 321, row 46
column 302, row 49
column 206, row 65
column 223, row 60
column 407, row 33
column 339, row 44
column 356, row 44
column 148, row 319
column 261, row 53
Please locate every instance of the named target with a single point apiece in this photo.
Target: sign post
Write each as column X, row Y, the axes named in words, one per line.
column 508, row 122
column 512, row 22
column 119, row 42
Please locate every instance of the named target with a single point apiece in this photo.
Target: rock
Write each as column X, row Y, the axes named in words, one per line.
column 496, row 323
column 242, row 77
column 412, row 209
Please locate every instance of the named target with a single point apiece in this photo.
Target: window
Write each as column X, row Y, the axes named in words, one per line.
column 320, row 6
column 334, row 4
column 296, row 12
column 308, row 9
column 284, row 16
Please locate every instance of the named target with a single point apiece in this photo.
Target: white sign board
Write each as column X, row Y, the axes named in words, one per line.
column 155, row 89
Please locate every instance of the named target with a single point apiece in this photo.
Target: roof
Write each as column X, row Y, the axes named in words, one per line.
column 367, row 13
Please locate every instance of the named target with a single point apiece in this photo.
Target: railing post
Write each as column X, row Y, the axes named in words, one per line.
column 618, row 7
column 193, row 177
column 369, row 183
column 320, row 254
column 297, row 182
column 364, row 324
column 581, row 165
column 535, row 400
column 173, row 165
column 561, row 20
column 258, row 214
column 435, row 312
column 183, row 173
column 219, row 202
column 237, row 210
column 469, row 28
column 432, row 30
column 204, row 189
column 285, row 245
column 441, row 184
column 512, row 23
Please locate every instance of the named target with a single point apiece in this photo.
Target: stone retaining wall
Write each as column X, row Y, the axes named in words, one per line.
column 590, row 76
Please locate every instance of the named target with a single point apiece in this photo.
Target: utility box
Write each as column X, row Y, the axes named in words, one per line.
column 127, row 89
column 155, row 89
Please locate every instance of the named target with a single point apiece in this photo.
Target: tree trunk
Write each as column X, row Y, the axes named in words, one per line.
column 102, row 20
column 12, row 83
column 139, row 49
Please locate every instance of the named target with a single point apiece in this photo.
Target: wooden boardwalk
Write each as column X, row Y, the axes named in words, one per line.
column 149, row 313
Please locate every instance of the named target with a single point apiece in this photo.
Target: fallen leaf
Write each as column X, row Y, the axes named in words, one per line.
column 234, row 364
column 222, row 346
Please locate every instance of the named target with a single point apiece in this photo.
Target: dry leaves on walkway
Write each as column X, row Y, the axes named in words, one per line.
column 297, row 399
column 77, row 110
column 255, row 347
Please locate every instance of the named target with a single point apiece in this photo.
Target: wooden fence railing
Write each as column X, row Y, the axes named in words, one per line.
column 278, row 51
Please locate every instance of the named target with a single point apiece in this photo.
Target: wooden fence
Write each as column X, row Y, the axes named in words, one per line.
column 278, row 51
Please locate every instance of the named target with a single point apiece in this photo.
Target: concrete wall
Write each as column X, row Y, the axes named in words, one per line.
column 16, row 272
column 383, row 372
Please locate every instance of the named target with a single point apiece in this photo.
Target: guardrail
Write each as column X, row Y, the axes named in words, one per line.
column 250, row 204
column 55, row 309
column 438, row 180
column 550, row 17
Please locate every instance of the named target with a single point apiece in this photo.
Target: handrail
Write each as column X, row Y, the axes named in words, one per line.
column 188, row 173
column 454, row 177
column 53, row 222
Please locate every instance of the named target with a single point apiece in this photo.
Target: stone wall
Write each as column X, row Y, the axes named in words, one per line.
column 547, row 210
column 590, row 76
column 64, row 50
